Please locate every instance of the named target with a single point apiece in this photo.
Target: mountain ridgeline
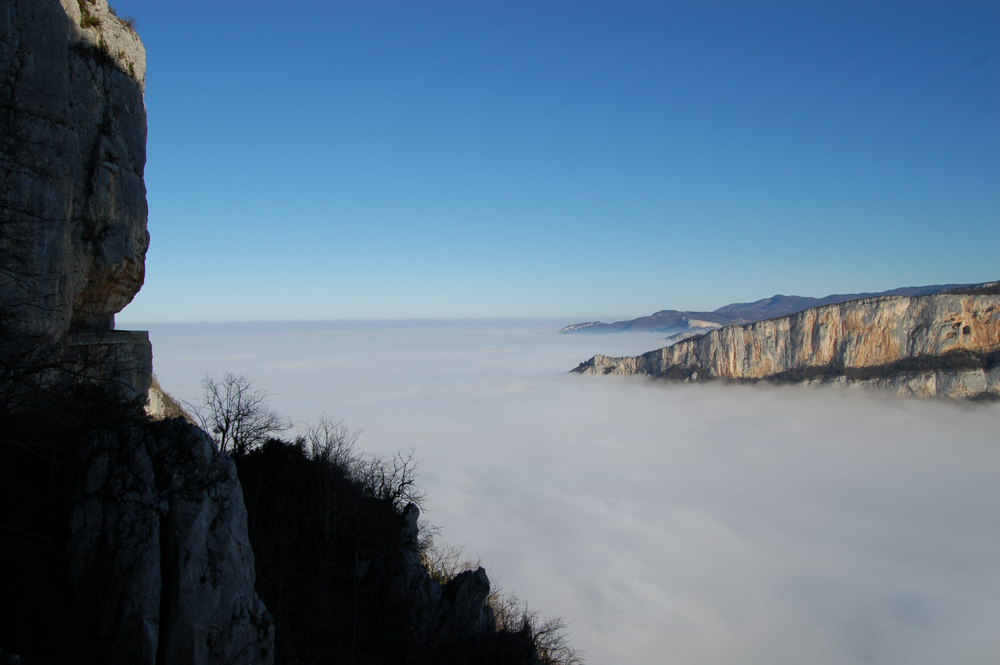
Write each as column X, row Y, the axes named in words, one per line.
column 946, row 344
column 680, row 322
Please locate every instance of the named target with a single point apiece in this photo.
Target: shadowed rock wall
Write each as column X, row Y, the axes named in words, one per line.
column 73, row 210
column 159, row 554
column 158, row 558
column 73, row 156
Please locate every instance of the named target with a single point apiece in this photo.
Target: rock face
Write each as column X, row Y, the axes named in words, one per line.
column 72, row 199
column 457, row 609
column 73, row 156
column 159, row 554
column 939, row 345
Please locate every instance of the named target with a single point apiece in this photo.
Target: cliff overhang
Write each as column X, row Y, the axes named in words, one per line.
column 73, row 209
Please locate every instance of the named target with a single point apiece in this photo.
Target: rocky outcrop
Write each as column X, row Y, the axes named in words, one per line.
column 160, row 405
column 158, row 567
column 939, row 345
column 456, row 610
column 72, row 199
column 159, row 555
column 73, row 159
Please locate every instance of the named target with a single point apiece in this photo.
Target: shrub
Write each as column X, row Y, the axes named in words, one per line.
column 330, row 543
column 87, row 20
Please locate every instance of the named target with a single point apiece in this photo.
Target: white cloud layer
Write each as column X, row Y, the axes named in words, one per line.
column 690, row 524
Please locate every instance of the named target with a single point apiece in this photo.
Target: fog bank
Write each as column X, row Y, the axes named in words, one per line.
column 666, row 523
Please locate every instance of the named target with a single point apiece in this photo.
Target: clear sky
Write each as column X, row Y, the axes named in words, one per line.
column 355, row 160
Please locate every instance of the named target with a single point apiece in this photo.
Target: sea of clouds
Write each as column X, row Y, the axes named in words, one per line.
column 689, row 524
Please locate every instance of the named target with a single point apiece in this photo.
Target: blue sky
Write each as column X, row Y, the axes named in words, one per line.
column 358, row 160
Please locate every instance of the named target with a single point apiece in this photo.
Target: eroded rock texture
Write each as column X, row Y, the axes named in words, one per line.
column 73, row 212
column 72, row 251
column 453, row 611
column 939, row 345
column 159, row 554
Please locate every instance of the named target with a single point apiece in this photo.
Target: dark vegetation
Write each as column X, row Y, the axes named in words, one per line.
column 334, row 556
column 327, row 543
column 338, row 564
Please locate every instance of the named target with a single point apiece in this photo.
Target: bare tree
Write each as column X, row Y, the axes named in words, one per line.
column 548, row 636
column 444, row 562
column 332, row 441
column 237, row 416
column 392, row 479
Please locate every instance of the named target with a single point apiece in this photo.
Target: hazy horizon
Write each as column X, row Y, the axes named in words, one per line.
column 664, row 522
column 124, row 321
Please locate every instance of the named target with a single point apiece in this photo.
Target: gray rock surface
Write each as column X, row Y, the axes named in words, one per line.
column 937, row 345
column 159, row 554
column 456, row 609
column 72, row 160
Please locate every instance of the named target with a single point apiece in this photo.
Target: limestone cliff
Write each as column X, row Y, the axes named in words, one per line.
column 74, row 150
column 145, row 556
column 73, row 210
column 159, row 555
column 938, row 345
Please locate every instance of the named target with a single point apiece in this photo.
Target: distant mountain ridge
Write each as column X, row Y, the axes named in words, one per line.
column 675, row 321
column 945, row 344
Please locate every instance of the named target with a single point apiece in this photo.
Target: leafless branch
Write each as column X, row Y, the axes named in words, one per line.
column 237, row 416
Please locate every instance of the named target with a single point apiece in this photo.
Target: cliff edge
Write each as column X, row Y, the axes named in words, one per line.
column 72, row 198
column 121, row 540
column 945, row 345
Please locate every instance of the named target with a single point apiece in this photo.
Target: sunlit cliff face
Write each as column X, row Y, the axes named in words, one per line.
column 664, row 522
